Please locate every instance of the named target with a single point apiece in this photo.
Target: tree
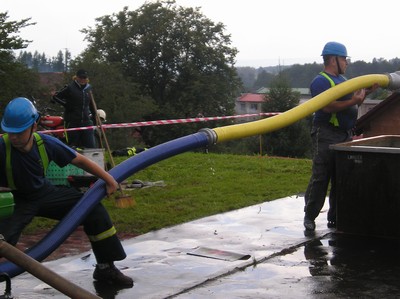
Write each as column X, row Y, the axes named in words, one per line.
column 280, row 96
column 263, row 80
column 8, row 30
column 247, row 76
column 16, row 79
column 294, row 140
column 301, row 75
column 175, row 55
column 41, row 63
column 58, row 62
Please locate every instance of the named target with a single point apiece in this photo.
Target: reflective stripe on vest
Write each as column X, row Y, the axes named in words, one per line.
column 42, row 152
column 333, row 120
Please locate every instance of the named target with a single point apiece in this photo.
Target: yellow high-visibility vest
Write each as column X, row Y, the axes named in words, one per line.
column 42, row 152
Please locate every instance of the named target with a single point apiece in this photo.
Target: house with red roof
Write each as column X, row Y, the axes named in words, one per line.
column 249, row 103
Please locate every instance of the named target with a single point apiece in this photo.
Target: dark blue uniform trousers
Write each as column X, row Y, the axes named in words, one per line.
column 55, row 202
column 323, row 170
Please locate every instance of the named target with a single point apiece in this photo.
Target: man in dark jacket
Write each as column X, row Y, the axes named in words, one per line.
column 77, row 101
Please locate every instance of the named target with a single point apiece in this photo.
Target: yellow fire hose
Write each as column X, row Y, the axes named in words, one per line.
column 289, row 117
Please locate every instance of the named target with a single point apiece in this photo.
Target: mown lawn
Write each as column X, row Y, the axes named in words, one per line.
column 199, row 185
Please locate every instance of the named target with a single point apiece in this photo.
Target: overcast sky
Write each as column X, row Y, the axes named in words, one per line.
column 265, row 32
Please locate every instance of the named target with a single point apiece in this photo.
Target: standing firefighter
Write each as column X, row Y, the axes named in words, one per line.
column 24, row 156
column 79, row 111
column 332, row 124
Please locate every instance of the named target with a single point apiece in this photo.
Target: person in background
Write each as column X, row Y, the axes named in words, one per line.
column 332, row 124
column 97, row 132
column 77, row 102
column 24, row 156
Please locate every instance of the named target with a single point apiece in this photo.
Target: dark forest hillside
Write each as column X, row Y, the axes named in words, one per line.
column 300, row 76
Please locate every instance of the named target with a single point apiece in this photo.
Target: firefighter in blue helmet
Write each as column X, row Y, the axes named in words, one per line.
column 24, row 156
column 332, row 124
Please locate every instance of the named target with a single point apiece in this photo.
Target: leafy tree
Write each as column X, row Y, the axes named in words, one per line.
column 280, row 96
column 16, row 79
column 294, row 140
column 264, row 79
column 175, row 55
column 8, row 30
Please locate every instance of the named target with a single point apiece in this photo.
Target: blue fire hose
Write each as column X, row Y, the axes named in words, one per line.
column 97, row 192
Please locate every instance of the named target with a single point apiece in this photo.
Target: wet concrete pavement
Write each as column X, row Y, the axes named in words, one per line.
column 279, row 260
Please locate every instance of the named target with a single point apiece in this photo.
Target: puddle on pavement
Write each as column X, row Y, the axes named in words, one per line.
column 335, row 266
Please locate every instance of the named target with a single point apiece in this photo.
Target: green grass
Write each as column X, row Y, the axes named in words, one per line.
column 199, row 185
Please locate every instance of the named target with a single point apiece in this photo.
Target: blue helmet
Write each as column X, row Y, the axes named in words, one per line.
column 335, row 49
column 19, row 115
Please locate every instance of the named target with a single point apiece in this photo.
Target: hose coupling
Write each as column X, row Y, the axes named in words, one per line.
column 211, row 135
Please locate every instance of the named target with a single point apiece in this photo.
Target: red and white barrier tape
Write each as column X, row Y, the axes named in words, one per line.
column 163, row 122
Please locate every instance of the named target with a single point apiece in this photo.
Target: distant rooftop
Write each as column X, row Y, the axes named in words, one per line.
column 252, row 97
column 302, row 91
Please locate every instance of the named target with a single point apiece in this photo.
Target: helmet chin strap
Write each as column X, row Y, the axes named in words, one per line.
column 338, row 66
column 30, row 136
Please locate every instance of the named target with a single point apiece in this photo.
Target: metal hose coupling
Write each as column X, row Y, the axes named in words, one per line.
column 394, row 80
column 211, row 135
